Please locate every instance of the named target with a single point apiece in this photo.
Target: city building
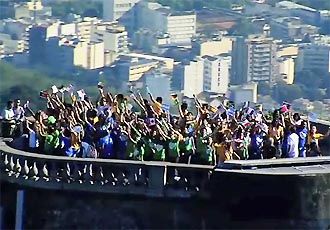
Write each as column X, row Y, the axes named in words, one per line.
column 217, row 46
column 313, row 57
column 286, row 55
column 10, row 45
column 180, row 26
column 120, row 10
column 291, row 28
column 286, row 69
column 31, row 9
column 66, row 53
column 84, row 28
column 242, row 93
column 188, row 77
column 113, row 35
column 130, row 69
column 17, row 29
column 239, row 61
column 261, row 59
column 150, row 41
column 216, row 73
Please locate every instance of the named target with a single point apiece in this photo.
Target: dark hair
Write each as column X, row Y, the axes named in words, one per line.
column 292, row 129
column 184, row 106
column 159, row 99
column 120, row 96
column 9, row 103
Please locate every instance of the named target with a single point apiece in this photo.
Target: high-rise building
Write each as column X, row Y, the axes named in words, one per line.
column 113, row 35
column 180, row 26
column 216, row 73
column 261, row 59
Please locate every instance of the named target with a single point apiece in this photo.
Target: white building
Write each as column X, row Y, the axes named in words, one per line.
column 216, row 73
column 242, row 93
column 113, row 35
column 180, row 26
column 67, row 52
column 286, row 67
column 261, row 59
column 113, row 10
column 193, row 77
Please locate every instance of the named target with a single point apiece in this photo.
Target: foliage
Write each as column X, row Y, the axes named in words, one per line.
column 199, row 4
column 86, row 8
column 26, row 84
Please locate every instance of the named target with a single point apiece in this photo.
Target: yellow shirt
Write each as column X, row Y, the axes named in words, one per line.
column 157, row 107
column 314, row 138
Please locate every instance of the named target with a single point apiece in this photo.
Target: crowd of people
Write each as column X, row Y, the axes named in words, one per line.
column 141, row 128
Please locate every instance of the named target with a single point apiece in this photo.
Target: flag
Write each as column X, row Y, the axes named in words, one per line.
column 43, row 94
column 70, row 89
column 284, row 109
column 175, row 99
column 250, row 111
column 81, row 94
column 246, row 104
column 166, row 108
column 231, row 111
column 54, row 89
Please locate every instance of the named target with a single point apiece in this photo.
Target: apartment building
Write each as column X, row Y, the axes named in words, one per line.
column 216, row 73
column 261, row 59
column 313, row 56
column 180, row 26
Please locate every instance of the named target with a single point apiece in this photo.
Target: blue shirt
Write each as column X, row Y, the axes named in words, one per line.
column 302, row 133
column 256, row 142
column 107, row 147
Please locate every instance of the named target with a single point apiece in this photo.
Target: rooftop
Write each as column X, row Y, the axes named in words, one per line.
column 292, row 5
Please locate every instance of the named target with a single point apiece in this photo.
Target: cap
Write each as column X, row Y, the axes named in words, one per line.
column 51, row 120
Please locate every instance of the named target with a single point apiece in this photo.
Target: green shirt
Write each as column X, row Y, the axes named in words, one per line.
column 173, row 148
column 52, row 141
column 159, row 152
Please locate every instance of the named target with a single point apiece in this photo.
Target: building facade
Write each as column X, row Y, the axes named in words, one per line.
column 313, row 56
column 216, row 73
column 261, row 59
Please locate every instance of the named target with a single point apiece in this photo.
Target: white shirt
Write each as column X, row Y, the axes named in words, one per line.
column 293, row 142
column 8, row 114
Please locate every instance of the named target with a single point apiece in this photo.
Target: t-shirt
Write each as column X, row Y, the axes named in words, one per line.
column 8, row 114
column 173, row 148
column 302, row 133
column 314, row 138
column 19, row 112
column 293, row 143
column 52, row 141
column 107, row 147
